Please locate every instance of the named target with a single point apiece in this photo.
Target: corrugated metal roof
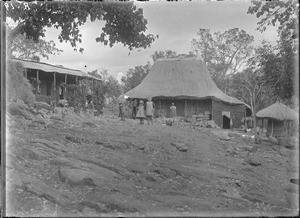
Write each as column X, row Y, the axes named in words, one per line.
column 52, row 68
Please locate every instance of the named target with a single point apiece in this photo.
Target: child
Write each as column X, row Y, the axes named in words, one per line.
column 141, row 112
column 149, row 111
column 173, row 112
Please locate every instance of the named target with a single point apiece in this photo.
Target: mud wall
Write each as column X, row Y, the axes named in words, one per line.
column 278, row 128
column 193, row 107
column 237, row 113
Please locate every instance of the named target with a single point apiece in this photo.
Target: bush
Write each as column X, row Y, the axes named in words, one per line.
column 18, row 87
column 76, row 97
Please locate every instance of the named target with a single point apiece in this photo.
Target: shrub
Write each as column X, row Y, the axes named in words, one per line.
column 18, row 86
column 75, row 97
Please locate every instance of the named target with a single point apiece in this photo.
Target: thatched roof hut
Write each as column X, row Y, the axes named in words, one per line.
column 280, row 119
column 278, row 111
column 180, row 78
column 187, row 83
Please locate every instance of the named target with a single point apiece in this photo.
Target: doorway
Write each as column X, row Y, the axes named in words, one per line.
column 226, row 122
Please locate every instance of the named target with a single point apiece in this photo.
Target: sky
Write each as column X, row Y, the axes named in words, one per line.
column 176, row 23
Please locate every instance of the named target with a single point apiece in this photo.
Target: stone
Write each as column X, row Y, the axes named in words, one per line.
column 247, row 148
column 169, row 122
column 50, row 144
column 93, row 205
column 90, row 124
column 41, row 189
column 33, row 111
column 89, row 212
column 34, row 155
column 95, row 162
column 40, row 105
column 39, row 119
column 56, row 117
column 253, row 160
column 231, row 134
column 43, row 111
column 96, row 176
column 211, row 124
column 295, row 181
column 16, row 109
column 180, row 146
column 76, row 177
column 272, row 140
column 75, row 139
column 117, row 202
column 222, row 135
column 137, row 168
column 165, row 172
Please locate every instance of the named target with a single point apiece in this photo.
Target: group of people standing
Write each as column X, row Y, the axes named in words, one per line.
column 143, row 110
column 146, row 111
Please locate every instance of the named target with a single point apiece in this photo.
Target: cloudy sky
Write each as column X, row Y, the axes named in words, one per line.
column 176, row 23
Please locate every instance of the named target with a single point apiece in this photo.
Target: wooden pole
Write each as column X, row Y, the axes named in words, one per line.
column 54, row 88
column 38, row 80
column 185, row 109
column 65, row 88
column 25, row 73
column 262, row 125
column 272, row 128
column 54, row 81
column 159, row 108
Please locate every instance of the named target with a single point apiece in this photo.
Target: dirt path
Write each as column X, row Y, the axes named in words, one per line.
column 103, row 166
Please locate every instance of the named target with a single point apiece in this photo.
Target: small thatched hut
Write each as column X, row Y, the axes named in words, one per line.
column 280, row 119
column 187, row 83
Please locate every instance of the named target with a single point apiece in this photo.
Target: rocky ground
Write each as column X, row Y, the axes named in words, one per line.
column 60, row 164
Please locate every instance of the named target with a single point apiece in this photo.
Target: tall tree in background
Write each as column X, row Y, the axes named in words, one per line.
column 284, row 15
column 135, row 76
column 124, row 22
column 223, row 53
column 278, row 65
column 111, row 87
column 169, row 54
column 28, row 49
column 254, row 82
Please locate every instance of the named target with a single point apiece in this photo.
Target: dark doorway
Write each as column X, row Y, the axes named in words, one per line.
column 226, row 122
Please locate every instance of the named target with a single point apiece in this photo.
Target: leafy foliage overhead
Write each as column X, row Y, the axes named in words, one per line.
column 28, row 49
column 124, row 22
column 285, row 13
column 135, row 76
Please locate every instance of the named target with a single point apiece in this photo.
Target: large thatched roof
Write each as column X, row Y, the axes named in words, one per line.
column 180, row 78
column 278, row 111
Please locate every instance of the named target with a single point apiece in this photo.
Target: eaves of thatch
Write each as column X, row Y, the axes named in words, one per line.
column 180, row 78
column 278, row 111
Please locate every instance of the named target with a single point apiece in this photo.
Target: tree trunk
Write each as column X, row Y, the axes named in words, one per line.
column 256, row 137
